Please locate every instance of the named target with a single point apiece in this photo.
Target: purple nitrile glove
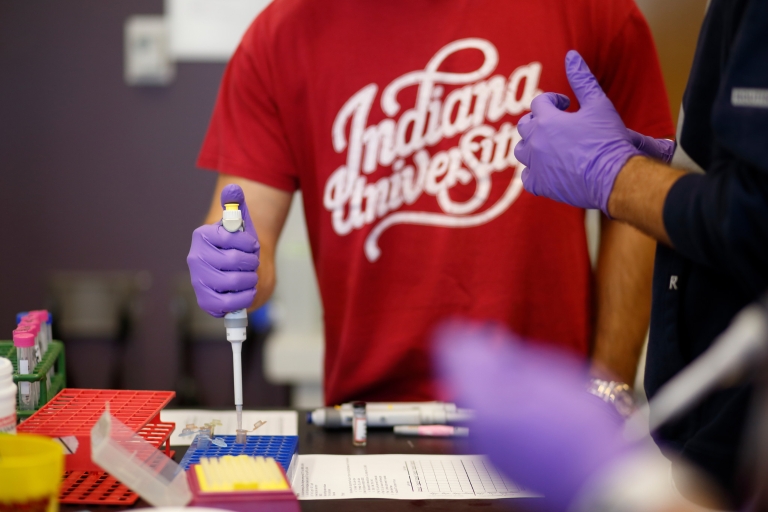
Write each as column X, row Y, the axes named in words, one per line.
column 660, row 149
column 223, row 264
column 574, row 157
column 533, row 416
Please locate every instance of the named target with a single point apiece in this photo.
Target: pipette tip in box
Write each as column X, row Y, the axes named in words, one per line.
column 241, row 483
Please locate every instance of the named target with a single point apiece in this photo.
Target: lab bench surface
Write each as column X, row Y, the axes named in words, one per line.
column 316, row 440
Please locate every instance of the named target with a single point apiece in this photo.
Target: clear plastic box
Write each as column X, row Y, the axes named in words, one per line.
column 138, row 464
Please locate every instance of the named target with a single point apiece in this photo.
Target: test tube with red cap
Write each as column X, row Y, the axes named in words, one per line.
column 44, row 337
column 46, row 328
column 42, row 317
column 29, row 392
column 31, row 323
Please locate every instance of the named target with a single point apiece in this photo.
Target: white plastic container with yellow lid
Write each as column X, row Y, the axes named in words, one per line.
column 8, row 392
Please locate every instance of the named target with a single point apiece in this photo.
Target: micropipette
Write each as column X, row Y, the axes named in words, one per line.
column 236, row 323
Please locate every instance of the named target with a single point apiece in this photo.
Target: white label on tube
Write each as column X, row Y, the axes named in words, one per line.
column 24, row 366
column 8, row 424
column 360, row 434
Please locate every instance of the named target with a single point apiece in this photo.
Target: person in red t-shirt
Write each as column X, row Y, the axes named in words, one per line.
column 397, row 120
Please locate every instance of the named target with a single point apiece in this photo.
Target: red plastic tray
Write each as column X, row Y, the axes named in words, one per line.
column 73, row 412
column 94, row 488
column 159, row 433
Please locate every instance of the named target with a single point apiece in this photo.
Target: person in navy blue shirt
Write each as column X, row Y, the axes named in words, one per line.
column 705, row 199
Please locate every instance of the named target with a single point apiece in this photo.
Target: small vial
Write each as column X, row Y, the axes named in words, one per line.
column 240, row 436
column 24, row 341
column 204, row 436
column 359, row 424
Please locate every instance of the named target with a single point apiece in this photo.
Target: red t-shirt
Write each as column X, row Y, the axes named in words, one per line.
column 397, row 120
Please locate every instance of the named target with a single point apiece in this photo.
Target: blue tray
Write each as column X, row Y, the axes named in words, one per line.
column 280, row 448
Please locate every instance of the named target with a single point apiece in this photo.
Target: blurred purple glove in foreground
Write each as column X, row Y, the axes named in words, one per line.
column 534, row 418
column 223, row 264
column 660, row 149
column 574, row 157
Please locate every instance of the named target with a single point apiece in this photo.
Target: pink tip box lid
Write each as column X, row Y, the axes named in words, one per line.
column 23, row 339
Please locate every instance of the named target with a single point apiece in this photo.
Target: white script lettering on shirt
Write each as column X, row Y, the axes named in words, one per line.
column 481, row 151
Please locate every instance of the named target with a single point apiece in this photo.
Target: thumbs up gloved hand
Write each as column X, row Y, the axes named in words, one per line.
column 574, row 157
column 222, row 264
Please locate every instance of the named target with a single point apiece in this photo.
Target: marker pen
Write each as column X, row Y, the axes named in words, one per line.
column 381, row 414
column 431, row 431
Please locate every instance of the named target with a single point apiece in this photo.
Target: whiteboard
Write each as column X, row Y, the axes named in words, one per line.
column 209, row 30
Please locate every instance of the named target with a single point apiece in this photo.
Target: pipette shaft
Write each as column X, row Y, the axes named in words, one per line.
column 236, row 324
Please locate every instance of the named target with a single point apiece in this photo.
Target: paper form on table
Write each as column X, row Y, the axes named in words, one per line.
column 401, row 477
column 279, row 423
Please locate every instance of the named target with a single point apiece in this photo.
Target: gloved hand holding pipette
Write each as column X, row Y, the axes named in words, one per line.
column 222, row 264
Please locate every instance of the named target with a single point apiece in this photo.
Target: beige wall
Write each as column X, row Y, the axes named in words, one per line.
column 675, row 25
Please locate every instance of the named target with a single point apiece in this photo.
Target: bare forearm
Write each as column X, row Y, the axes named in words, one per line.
column 625, row 264
column 622, row 300
column 639, row 193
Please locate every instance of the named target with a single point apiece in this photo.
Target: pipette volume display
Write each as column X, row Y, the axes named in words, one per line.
column 236, row 322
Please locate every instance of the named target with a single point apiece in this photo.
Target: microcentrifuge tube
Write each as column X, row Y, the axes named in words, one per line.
column 359, row 424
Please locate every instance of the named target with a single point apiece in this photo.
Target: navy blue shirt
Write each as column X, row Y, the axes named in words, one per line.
column 717, row 220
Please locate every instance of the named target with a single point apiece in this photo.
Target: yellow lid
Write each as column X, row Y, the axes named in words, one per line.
column 31, row 468
column 231, row 206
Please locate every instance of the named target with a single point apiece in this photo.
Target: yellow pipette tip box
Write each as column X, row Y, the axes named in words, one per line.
column 241, row 483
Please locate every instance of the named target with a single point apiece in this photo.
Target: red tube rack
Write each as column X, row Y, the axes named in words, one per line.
column 73, row 412
column 94, row 488
column 99, row 487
